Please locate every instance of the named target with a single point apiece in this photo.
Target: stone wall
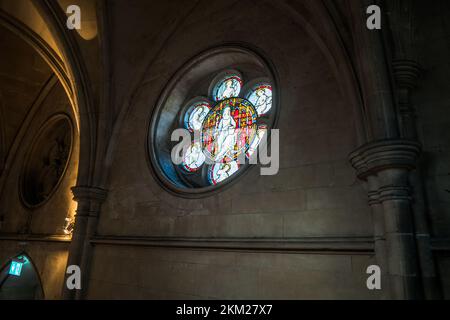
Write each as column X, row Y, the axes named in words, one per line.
column 315, row 196
column 305, row 233
column 432, row 100
column 152, row 273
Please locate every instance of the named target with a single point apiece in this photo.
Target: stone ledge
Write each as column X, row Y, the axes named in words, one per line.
column 331, row 245
column 34, row 238
column 89, row 193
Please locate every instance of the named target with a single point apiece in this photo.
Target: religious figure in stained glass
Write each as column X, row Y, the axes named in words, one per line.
column 259, row 136
column 229, row 129
column 261, row 98
column 228, row 88
column 195, row 118
column 225, row 132
column 194, row 157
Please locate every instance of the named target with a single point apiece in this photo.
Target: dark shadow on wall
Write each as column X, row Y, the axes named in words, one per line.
column 19, row 280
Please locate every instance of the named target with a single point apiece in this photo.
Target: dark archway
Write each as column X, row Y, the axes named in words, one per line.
column 19, row 280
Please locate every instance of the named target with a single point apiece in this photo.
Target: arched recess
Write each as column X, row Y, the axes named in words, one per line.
column 326, row 26
column 20, row 280
column 11, row 153
column 59, row 49
column 321, row 20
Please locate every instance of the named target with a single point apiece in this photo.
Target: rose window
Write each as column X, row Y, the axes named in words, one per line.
column 229, row 124
column 211, row 119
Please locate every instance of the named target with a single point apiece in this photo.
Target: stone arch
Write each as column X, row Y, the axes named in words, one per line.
column 42, row 25
column 333, row 46
column 332, row 38
column 25, row 286
column 10, row 157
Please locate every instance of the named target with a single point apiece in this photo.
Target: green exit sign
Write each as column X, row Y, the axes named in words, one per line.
column 16, row 268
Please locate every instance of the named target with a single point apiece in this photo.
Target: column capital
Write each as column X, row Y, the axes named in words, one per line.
column 387, row 193
column 374, row 198
column 406, row 73
column 377, row 156
column 94, row 194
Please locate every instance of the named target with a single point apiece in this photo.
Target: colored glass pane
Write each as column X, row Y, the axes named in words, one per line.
column 229, row 129
column 222, row 171
column 259, row 136
column 194, row 158
column 229, row 87
column 195, row 116
column 261, row 97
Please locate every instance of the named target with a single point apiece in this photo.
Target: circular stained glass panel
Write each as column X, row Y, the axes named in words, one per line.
column 229, row 129
column 194, row 158
column 195, row 116
column 261, row 97
column 230, row 86
column 215, row 108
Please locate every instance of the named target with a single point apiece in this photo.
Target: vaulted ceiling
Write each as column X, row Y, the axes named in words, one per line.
column 23, row 74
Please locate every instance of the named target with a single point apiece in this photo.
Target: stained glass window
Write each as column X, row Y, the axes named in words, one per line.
column 259, row 136
column 261, row 97
column 194, row 158
column 221, row 171
column 196, row 114
column 230, row 86
column 229, row 129
column 230, row 124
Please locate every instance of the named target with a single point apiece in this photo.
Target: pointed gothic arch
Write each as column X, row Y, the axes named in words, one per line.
column 20, row 279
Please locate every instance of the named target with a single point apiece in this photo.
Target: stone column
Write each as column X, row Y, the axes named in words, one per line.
column 406, row 75
column 89, row 201
column 379, row 232
column 374, row 74
column 389, row 163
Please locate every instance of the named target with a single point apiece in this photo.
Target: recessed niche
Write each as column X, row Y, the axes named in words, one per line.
column 46, row 161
